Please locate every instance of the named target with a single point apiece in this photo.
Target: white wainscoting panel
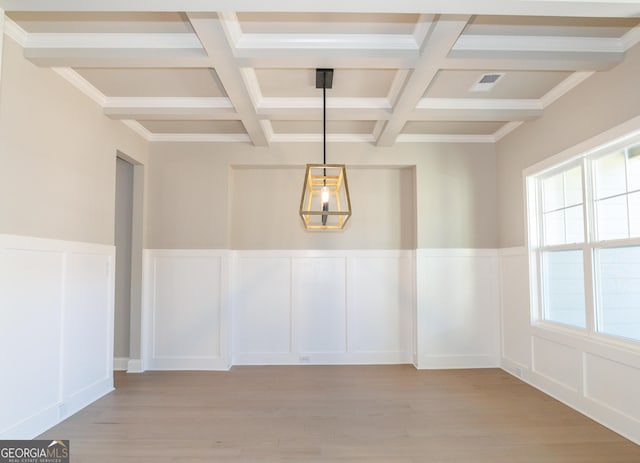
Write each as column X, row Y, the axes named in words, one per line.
column 458, row 320
column 382, row 305
column 516, row 316
column 556, row 362
column 596, row 375
column 185, row 314
column 322, row 307
column 56, row 330
column 319, row 295
column 261, row 309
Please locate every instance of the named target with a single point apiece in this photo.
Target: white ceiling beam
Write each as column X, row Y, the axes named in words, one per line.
column 476, row 109
column 534, row 62
column 118, row 58
column 440, row 38
column 169, row 108
column 331, row 58
column 582, row 8
column 568, row 53
column 213, row 37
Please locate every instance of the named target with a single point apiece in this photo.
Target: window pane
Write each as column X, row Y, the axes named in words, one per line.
column 563, row 276
column 552, row 193
column 574, row 224
column 554, row 228
column 618, row 273
column 634, row 214
column 611, row 217
column 610, row 175
column 573, row 187
column 633, row 168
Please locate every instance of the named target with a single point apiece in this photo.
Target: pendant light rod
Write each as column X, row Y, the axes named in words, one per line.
column 324, row 80
column 324, row 124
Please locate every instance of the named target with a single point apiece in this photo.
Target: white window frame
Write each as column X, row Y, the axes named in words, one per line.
column 583, row 154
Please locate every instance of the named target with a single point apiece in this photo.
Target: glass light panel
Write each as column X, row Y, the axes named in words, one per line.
column 573, row 187
column 574, row 224
column 563, row 280
column 633, row 168
column 609, row 172
column 618, row 282
column 552, row 193
column 634, row 215
column 611, row 218
column 554, row 228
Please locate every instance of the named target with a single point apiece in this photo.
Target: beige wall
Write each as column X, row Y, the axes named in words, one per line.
column 603, row 101
column 57, row 156
column 433, row 196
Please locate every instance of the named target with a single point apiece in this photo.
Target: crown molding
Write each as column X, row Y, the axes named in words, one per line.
column 200, row 137
column 315, row 103
column 480, row 103
column 15, row 32
column 327, row 41
column 138, row 128
column 565, row 86
column 317, row 138
column 443, row 138
column 113, row 40
column 168, row 102
column 532, row 43
column 81, row 84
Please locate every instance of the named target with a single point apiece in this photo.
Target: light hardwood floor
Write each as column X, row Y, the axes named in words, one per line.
column 373, row 414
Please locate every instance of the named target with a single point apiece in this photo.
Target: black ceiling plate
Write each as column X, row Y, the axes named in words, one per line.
column 324, row 78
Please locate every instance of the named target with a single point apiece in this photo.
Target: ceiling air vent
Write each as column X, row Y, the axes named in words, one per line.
column 486, row 82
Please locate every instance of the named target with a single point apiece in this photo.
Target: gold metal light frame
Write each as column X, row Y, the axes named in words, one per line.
column 325, row 202
column 333, row 179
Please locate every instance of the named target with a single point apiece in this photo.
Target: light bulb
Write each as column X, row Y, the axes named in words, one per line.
column 324, row 195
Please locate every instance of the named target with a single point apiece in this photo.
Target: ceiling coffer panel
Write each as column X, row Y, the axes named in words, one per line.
column 250, row 76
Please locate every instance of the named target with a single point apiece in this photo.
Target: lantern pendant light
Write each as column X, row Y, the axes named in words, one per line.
column 325, row 202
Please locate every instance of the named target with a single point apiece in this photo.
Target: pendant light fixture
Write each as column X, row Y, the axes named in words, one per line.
column 325, row 202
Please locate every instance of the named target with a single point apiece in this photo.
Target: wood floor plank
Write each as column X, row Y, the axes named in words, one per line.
column 346, row 414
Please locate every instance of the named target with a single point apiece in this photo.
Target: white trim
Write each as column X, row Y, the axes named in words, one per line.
column 327, row 41
column 135, row 366
column 119, row 40
column 527, row 43
column 513, row 251
column 565, row 86
column 448, row 362
column 138, row 128
column 443, row 138
column 317, row 137
column 506, row 129
column 479, row 103
column 584, row 8
column 81, row 84
column 603, row 140
column 631, row 38
column 457, row 252
column 316, row 103
column 167, row 102
column 120, row 363
column 15, row 32
column 200, row 137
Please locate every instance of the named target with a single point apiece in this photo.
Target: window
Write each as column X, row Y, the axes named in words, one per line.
column 584, row 232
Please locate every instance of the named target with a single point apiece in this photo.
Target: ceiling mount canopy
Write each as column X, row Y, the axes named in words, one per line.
column 325, row 202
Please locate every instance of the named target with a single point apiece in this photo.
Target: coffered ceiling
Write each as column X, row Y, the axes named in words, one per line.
column 244, row 71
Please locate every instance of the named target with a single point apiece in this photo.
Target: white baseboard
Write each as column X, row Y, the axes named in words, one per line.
column 445, row 362
column 120, row 363
column 134, row 366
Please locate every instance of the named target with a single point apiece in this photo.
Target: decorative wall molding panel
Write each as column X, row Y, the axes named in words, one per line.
column 457, row 310
column 209, row 309
column 597, row 378
column 185, row 316
column 322, row 307
column 57, row 323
